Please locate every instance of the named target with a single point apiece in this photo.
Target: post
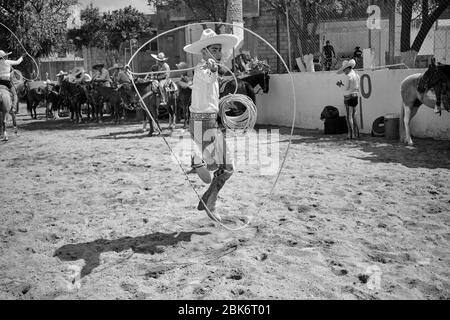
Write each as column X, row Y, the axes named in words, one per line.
column 391, row 9
column 278, row 41
column 131, row 54
column 288, row 36
column 370, row 30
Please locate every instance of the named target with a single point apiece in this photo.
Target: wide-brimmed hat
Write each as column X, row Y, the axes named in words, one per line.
column 77, row 72
column 62, row 73
column 209, row 37
column 98, row 65
column 346, row 64
column 181, row 65
column 4, row 54
column 160, row 57
column 116, row 66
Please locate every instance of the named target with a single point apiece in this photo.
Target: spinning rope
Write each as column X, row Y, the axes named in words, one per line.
column 18, row 40
column 244, row 122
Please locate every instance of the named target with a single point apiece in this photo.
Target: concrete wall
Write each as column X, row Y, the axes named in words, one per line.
column 316, row 90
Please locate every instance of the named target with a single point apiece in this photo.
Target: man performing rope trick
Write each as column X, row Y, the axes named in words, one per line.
column 210, row 150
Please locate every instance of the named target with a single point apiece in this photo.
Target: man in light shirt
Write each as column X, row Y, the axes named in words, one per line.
column 163, row 74
column 212, row 152
column 351, row 95
column 5, row 76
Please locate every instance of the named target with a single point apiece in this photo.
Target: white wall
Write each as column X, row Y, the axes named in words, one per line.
column 315, row 90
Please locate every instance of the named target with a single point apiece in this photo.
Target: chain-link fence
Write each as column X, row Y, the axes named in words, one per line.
column 323, row 33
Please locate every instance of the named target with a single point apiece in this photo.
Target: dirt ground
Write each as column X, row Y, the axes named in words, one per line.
column 100, row 211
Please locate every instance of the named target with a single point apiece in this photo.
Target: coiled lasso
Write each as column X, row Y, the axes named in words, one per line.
column 244, row 122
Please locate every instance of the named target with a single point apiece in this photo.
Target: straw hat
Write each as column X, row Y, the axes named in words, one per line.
column 346, row 64
column 209, row 37
column 98, row 66
column 4, row 54
column 116, row 66
column 160, row 57
column 61, row 74
column 77, row 72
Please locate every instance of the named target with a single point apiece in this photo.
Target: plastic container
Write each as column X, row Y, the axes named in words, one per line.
column 391, row 126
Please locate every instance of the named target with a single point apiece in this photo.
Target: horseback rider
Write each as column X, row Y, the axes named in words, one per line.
column 162, row 77
column 119, row 76
column 211, row 152
column 101, row 75
column 5, row 76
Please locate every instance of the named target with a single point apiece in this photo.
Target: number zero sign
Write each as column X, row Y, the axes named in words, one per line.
column 364, row 93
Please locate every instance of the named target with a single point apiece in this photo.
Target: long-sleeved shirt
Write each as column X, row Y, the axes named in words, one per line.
column 205, row 90
column 352, row 83
column 165, row 75
column 102, row 75
column 5, row 67
column 120, row 77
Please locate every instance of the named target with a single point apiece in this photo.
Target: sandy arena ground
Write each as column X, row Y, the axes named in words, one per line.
column 103, row 212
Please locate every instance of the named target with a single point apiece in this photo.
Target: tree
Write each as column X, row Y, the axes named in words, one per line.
column 428, row 11
column 109, row 31
column 212, row 10
column 40, row 25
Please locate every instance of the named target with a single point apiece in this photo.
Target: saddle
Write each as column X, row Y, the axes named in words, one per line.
column 170, row 86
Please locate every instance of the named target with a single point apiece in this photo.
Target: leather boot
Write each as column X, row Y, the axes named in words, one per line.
column 210, row 196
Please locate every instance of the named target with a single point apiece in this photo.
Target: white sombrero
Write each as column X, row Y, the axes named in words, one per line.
column 209, row 37
column 77, row 72
column 4, row 54
column 160, row 57
column 346, row 64
column 62, row 73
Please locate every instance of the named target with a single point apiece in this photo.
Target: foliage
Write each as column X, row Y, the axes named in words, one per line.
column 40, row 25
column 110, row 29
column 212, row 10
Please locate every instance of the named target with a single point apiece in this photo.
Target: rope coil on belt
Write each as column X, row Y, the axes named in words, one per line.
column 245, row 121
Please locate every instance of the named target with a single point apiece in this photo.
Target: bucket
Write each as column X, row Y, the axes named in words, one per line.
column 392, row 126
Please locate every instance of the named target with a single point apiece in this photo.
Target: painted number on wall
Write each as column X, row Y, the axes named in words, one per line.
column 364, row 93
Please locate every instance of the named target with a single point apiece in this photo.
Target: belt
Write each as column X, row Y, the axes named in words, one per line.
column 351, row 95
column 203, row 116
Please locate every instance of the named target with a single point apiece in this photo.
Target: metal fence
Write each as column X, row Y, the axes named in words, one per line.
column 369, row 31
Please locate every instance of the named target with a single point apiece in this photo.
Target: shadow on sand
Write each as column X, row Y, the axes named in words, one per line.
column 426, row 153
column 148, row 244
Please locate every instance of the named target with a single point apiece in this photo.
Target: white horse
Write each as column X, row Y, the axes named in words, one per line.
column 418, row 89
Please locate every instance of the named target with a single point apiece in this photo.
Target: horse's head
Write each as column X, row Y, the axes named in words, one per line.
column 434, row 75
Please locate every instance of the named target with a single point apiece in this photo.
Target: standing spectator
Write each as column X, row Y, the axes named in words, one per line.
column 328, row 54
column 351, row 95
column 357, row 55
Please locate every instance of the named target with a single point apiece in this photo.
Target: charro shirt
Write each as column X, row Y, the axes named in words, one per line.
column 5, row 67
column 205, row 90
column 165, row 75
column 102, row 75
